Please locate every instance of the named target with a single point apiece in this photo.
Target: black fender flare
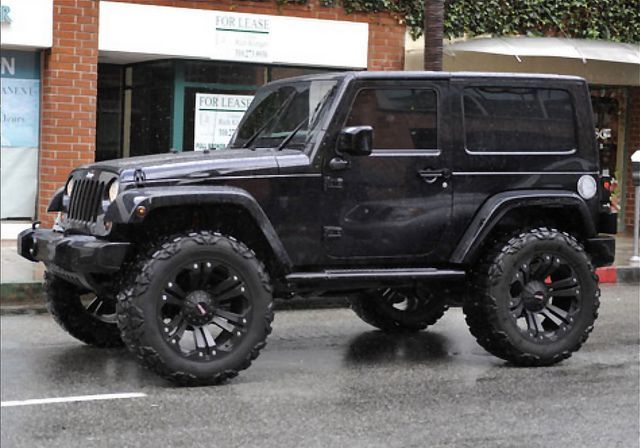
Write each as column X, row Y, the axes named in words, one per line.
column 56, row 204
column 123, row 209
column 500, row 204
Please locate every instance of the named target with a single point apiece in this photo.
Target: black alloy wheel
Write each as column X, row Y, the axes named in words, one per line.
column 101, row 308
column 545, row 296
column 197, row 308
column 535, row 298
column 83, row 314
column 204, row 310
column 398, row 310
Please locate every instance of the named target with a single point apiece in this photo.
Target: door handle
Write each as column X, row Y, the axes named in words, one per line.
column 430, row 176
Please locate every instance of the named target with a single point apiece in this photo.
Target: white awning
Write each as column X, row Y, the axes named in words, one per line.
column 520, row 47
column 599, row 62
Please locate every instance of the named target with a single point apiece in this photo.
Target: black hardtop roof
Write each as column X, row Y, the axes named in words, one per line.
column 414, row 75
column 426, row 75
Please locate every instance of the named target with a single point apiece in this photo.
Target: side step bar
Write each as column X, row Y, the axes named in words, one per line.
column 355, row 277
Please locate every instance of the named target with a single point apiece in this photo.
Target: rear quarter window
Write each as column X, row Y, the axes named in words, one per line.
column 518, row 120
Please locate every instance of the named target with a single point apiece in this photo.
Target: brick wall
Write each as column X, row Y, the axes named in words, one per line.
column 633, row 144
column 69, row 89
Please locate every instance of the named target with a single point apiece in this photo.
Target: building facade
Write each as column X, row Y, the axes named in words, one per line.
column 26, row 30
column 111, row 79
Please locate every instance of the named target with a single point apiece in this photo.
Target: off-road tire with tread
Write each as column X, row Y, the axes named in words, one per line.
column 63, row 302
column 369, row 307
column 484, row 309
column 136, row 317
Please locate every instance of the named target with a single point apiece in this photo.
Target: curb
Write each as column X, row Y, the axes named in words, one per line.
column 619, row 274
column 20, row 293
column 26, row 298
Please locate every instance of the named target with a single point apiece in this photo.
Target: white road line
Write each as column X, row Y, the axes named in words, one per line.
column 71, row 399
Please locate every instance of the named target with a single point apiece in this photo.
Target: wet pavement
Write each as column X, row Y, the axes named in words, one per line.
column 327, row 380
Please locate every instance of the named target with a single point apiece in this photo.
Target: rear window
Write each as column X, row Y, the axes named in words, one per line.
column 507, row 119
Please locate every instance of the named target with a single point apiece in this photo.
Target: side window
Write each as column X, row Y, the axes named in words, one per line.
column 403, row 118
column 499, row 119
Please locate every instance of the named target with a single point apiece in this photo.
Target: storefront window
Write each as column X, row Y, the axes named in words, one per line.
column 109, row 125
column 211, row 117
column 185, row 105
column 605, row 111
column 224, row 73
column 216, row 95
column 151, row 103
column 276, row 73
column 20, row 79
column 609, row 117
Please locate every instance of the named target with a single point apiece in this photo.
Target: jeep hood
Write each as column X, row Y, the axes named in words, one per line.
column 191, row 165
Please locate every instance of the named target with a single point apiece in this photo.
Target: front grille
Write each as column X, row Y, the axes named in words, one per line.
column 86, row 200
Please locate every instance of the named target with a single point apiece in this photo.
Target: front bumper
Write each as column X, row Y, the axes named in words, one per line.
column 602, row 249
column 80, row 254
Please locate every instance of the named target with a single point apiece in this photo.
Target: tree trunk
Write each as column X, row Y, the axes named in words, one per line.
column 433, row 32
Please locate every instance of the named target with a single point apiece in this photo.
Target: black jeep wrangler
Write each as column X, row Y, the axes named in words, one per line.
column 405, row 192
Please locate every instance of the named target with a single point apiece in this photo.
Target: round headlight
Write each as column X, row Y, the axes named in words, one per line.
column 587, row 187
column 70, row 187
column 113, row 190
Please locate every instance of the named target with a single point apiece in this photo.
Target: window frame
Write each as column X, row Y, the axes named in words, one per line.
column 402, row 152
column 518, row 153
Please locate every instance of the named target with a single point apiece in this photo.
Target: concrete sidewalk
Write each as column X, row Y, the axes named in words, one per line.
column 21, row 280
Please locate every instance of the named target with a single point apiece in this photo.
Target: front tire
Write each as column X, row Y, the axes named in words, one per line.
column 535, row 298
column 85, row 316
column 197, row 309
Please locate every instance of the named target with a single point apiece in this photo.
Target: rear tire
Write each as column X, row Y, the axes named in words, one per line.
column 535, row 298
column 197, row 309
column 402, row 310
column 93, row 323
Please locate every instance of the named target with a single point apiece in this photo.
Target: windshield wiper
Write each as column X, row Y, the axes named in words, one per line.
column 312, row 120
column 288, row 138
column 277, row 113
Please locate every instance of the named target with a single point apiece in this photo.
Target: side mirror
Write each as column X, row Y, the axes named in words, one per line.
column 356, row 140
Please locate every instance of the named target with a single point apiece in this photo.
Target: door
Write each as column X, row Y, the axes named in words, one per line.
column 396, row 202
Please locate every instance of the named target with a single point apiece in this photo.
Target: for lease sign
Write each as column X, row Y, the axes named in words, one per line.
column 217, row 117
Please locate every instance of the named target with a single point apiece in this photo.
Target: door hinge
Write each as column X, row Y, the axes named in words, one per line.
column 333, row 183
column 332, row 233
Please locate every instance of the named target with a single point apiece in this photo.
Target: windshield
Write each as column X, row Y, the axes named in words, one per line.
column 284, row 115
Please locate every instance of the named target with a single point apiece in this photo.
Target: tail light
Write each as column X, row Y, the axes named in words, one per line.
column 606, row 187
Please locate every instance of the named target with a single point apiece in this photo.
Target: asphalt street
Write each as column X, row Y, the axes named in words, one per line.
column 328, row 380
